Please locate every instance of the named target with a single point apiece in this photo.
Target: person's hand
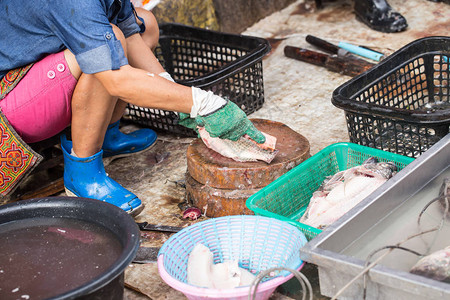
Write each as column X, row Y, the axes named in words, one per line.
column 186, row 121
column 230, row 122
column 221, row 118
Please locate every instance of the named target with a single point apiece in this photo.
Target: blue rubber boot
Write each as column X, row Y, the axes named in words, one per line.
column 86, row 177
column 119, row 144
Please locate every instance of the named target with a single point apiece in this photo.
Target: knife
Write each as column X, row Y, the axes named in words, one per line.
column 156, row 227
column 146, row 255
column 362, row 51
column 342, row 65
column 322, row 44
column 332, row 48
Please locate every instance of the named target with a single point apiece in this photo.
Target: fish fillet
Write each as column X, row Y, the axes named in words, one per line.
column 226, row 275
column 325, row 210
column 243, row 150
column 202, row 271
column 199, row 266
column 342, row 191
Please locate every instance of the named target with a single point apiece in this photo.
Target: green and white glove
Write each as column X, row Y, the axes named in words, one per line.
column 230, row 122
column 186, row 121
column 221, row 118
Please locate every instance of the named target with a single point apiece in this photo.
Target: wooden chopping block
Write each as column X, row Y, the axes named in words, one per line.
column 214, row 202
column 214, row 170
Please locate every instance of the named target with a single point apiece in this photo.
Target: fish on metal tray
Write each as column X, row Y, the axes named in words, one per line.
column 242, row 150
column 435, row 266
column 342, row 191
column 444, row 194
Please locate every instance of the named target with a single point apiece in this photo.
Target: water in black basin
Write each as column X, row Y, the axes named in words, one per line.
column 45, row 257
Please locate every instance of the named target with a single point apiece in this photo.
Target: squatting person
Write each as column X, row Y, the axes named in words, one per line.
column 79, row 64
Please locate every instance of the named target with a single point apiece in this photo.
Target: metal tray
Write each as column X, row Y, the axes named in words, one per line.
column 386, row 217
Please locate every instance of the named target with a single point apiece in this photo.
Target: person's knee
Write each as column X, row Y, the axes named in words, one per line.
column 151, row 33
column 121, row 37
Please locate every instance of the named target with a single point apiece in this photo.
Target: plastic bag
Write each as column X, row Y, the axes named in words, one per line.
column 146, row 4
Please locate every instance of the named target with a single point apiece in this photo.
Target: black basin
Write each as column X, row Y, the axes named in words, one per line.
column 114, row 223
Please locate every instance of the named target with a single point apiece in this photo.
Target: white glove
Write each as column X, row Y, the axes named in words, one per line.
column 166, row 76
column 205, row 102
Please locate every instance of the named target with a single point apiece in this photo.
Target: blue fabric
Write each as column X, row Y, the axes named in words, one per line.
column 32, row 29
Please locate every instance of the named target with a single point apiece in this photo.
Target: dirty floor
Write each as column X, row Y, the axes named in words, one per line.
column 296, row 93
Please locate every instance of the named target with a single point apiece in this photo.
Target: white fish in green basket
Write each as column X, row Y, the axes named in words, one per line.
column 342, row 191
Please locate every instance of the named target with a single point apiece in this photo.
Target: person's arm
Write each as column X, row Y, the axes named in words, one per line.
column 221, row 118
column 143, row 88
column 141, row 85
column 141, row 56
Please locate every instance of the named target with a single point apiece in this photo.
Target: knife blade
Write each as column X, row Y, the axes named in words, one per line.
column 146, row 255
column 156, row 227
column 322, row 44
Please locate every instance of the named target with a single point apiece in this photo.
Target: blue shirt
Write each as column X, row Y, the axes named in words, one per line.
column 30, row 30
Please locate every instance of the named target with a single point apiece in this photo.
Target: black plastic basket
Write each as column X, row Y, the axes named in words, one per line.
column 401, row 105
column 230, row 65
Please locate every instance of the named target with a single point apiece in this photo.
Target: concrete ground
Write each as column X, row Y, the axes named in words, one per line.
column 296, row 93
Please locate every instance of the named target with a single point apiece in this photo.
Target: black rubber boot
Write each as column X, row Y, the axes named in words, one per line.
column 443, row 1
column 379, row 15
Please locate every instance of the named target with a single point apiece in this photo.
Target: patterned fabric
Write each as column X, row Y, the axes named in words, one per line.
column 17, row 159
column 11, row 79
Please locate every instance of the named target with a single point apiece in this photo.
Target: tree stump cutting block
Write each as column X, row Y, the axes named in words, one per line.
column 214, row 202
column 220, row 186
column 212, row 169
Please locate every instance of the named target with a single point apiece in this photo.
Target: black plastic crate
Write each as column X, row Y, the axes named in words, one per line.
column 230, row 65
column 401, row 105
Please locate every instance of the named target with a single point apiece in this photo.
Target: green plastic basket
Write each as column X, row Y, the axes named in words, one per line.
column 287, row 197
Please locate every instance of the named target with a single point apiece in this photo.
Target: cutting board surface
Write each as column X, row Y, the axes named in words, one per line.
column 210, row 168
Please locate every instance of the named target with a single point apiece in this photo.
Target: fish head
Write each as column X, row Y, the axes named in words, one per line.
column 384, row 170
column 370, row 160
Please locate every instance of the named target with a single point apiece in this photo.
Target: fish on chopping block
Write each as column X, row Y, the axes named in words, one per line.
column 202, row 271
column 435, row 266
column 243, row 150
column 344, row 190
